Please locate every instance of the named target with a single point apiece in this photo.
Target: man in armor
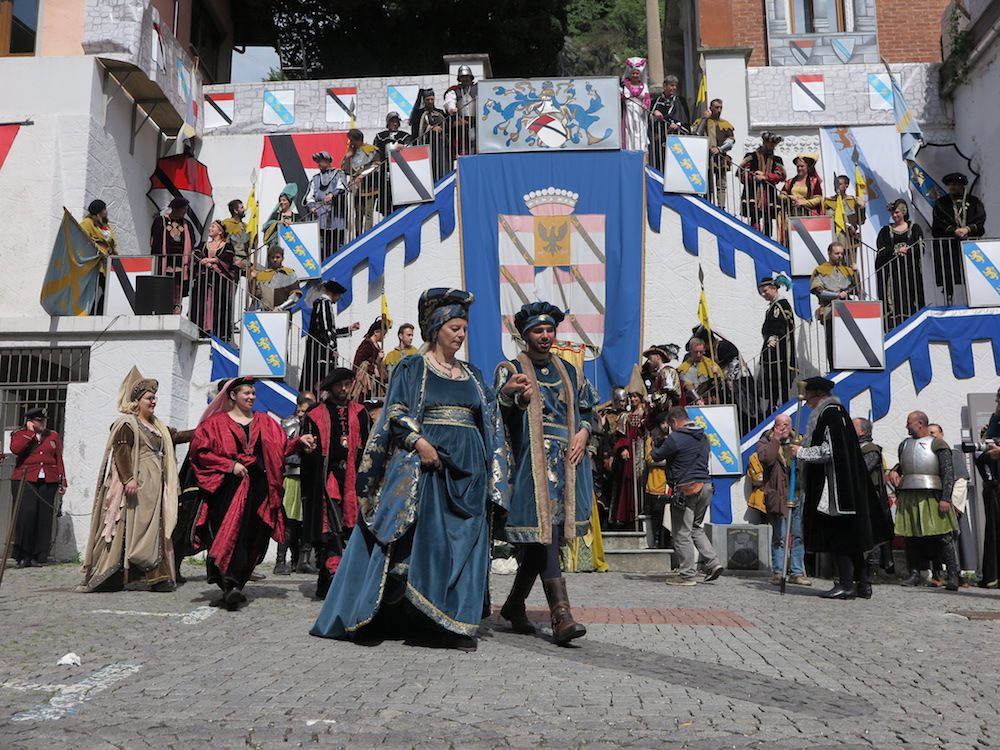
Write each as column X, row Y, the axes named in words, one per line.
column 325, row 202
column 460, row 106
column 924, row 479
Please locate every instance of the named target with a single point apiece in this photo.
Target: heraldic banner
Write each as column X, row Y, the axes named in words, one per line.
column 565, row 228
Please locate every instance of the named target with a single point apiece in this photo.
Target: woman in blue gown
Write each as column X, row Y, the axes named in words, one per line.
column 430, row 473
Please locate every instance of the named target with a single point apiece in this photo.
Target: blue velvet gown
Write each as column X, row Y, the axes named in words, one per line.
column 425, row 538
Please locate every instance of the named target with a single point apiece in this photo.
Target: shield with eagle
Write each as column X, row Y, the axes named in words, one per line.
column 557, row 256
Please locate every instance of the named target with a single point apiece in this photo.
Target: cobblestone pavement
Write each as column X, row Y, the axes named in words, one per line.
column 724, row 665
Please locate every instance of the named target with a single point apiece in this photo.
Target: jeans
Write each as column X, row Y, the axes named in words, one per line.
column 688, row 534
column 778, row 531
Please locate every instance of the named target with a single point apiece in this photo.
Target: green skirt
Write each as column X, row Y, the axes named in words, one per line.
column 293, row 499
column 917, row 514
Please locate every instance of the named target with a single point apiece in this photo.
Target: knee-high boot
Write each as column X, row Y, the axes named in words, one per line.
column 564, row 627
column 513, row 610
column 280, row 564
column 950, row 554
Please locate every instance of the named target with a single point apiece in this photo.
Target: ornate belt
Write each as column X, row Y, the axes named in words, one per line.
column 455, row 416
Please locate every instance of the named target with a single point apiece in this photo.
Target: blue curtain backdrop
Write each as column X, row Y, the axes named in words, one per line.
column 609, row 183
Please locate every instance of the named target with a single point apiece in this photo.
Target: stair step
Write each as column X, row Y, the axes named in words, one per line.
column 624, row 540
column 639, row 560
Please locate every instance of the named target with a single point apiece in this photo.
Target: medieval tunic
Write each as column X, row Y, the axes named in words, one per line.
column 321, row 344
column 917, row 512
column 841, row 513
column 759, row 204
column 239, row 513
column 950, row 213
column 39, row 465
column 213, row 290
column 547, row 493
column 900, row 280
column 329, row 500
column 174, row 241
column 631, row 429
column 777, row 363
column 425, row 531
column 129, row 537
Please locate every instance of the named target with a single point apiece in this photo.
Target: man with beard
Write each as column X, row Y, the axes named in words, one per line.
column 841, row 515
column 548, row 424
column 957, row 216
column 924, row 479
column 666, row 389
column 236, row 231
column 668, row 115
column 831, row 281
column 329, row 497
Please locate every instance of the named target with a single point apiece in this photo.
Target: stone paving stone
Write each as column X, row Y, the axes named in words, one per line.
column 732, row 664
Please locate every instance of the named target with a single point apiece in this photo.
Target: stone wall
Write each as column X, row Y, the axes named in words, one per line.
column 859, row 44
column 311, row 102
column 846, row 97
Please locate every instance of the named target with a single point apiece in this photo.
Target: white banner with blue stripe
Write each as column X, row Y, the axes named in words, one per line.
column 302, row 249
column 264, row 344
column 722, row 430
column 982, row 272
column 685, row 166
column 279, row 107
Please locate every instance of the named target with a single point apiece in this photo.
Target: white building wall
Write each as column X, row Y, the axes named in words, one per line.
column 76, row 150
column 977, row 107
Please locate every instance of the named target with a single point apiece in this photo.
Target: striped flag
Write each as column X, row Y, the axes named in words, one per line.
column 910, row 136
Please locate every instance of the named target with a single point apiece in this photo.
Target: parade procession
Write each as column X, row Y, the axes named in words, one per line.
column 633, row 380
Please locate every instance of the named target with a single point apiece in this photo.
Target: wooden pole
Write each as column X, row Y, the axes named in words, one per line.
column 654, row 44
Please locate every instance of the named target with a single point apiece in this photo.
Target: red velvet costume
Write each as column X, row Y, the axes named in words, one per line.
column 239, row 513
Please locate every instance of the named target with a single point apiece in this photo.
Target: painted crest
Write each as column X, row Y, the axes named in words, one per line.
column 529, row 115
column 843, row 48
column 802, row 50
column 557, row 256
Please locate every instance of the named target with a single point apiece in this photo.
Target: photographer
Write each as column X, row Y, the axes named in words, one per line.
column 988, row 465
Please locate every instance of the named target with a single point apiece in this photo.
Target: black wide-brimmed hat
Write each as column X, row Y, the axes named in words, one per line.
column 338, row 375
column 818, row 384
column 955, row 178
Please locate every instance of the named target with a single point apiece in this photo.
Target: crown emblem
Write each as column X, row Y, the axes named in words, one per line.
column 551, row 201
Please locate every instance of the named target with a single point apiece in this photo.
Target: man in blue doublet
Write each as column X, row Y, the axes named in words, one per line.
column 547, row 408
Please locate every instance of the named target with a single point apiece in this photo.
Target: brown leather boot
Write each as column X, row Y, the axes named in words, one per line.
column 513, row 609
column 564, row 627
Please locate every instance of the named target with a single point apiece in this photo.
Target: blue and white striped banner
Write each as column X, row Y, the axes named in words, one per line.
column 686, row 164
column 728, row 459
column 304, row 255
column 279, row 107
column 879, row 91
column 267, row 334
column 984, row 285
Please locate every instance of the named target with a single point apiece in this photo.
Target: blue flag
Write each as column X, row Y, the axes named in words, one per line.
column 70, row 285
column 910, row 137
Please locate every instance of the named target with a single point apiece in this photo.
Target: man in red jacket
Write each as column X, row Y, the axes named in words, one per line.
column 39, row 464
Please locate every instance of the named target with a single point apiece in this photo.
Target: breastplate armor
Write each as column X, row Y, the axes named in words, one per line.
column 919, row 465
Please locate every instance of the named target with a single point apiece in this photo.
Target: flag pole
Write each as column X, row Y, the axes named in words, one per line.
column 703, row 307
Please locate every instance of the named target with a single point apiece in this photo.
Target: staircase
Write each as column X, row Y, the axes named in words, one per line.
column 628, row 552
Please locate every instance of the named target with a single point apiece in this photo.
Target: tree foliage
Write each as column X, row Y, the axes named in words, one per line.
column 334, row 39
column 601, row 34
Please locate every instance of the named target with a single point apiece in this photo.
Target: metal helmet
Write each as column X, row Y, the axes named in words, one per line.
column 464, row 70
column 619, row 398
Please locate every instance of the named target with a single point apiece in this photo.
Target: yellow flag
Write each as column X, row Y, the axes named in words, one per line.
column 703, row 310
column 253, row 214
column 860, row 183
column 840, row 216
column 386, row 320
column 701, row 100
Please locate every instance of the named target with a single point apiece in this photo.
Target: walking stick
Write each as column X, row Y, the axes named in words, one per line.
column 13, row 527
column 800, row 396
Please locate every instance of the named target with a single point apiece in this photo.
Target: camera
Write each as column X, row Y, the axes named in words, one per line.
column 973, row 447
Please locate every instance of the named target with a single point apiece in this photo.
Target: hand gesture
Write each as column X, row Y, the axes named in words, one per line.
column 944, row 506
column 515, row 385
column 894, row 478
column 355, row 326
column 308, row 443
column 239, row 469
column 578, row 447
column 428, row 453
column 131, row 488
column 626, row 455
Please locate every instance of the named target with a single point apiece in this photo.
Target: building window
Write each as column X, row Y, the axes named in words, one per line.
column 206, row 40
column 18, row 27
column 39, row 377
column 816, row 17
